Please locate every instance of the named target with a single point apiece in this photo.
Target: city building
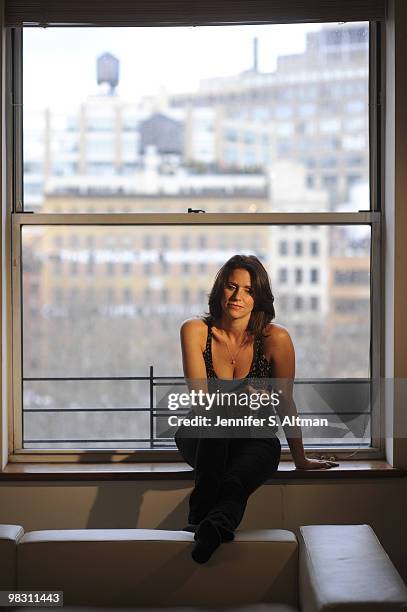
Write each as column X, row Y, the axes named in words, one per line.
column 314, row 106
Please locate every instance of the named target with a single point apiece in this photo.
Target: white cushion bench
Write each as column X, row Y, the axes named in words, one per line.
column 335, row 568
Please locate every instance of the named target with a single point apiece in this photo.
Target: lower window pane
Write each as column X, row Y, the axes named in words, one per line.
column 108, row 302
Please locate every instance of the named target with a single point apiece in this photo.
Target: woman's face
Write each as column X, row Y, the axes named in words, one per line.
column 237, row 300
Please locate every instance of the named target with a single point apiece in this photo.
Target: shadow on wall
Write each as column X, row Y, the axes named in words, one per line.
column 124, row 505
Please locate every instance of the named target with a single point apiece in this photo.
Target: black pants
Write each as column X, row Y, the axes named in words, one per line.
column 227, row 472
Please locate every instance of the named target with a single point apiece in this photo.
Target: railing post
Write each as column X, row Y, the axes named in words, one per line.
column 151, row 406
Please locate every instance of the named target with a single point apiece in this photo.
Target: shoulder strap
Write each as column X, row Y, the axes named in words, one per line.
column 208, row 338
column 259, row 348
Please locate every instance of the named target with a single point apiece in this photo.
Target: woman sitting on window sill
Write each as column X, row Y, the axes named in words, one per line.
column 236, row 342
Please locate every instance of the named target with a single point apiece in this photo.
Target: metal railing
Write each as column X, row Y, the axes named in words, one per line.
column 152, row 440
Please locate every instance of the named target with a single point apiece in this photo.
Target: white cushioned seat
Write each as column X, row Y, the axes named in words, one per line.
column 142, row 567
column 9, row 537
column 344, row 568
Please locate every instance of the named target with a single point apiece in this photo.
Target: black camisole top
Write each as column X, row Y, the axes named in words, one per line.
column 260, row 367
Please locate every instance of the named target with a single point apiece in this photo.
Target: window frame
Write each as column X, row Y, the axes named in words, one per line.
column 16, row 218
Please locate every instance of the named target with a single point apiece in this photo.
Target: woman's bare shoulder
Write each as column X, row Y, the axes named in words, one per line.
column 279, row 351
column 194, row 324
column 194, row 328
column 275, row 334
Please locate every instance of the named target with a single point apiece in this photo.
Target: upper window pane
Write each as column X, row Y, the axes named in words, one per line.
column 239, row 118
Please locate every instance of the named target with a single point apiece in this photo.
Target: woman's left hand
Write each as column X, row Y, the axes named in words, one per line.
column 315, row 464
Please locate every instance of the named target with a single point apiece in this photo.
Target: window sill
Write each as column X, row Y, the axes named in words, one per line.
column 34, row 472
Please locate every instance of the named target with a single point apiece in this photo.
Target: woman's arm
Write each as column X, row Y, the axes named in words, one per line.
column 279, row 345
column 192, row 339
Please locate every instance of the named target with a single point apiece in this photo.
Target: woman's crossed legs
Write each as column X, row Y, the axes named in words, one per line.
column 227, row 472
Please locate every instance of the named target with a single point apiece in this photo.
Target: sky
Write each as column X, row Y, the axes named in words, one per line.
column 60, row 63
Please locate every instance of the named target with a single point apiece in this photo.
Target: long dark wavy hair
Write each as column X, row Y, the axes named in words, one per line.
column 263, row 311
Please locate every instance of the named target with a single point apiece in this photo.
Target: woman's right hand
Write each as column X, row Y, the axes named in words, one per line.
column 250, row 390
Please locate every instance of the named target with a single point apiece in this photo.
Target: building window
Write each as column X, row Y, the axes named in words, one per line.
column 352, row 306
column 314, row 275
column 298, row 247
column 283, row 247
column 147, row 241
column 127, row 268
column 202, row 296
column 57, row 264
column 202, row 241
column 185, row 243
column 165, row 241
column 282, row 303
column 314, row 302
column 165, row 267
column 283, row 275
column 298, row 302
column 314, row 247
column 352, row 277
column 90, row 267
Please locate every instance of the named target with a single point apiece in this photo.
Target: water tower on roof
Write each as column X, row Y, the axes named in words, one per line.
column 108, row 71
